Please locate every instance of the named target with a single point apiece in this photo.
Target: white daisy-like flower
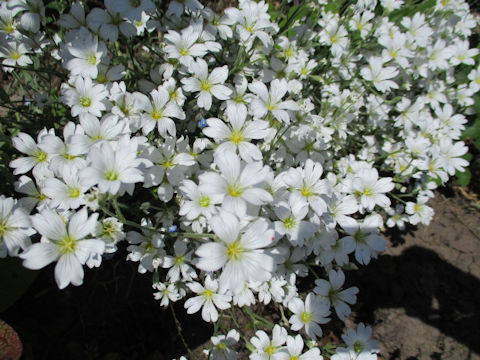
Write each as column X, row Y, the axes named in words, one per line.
column 239, row 252
column 309, row 315
column 209, row 299
column 15, row 227
column 207, row 84
column 70, row 244
column 238, row 135
column 84, row 97
column 238, row 183
column 113, row 170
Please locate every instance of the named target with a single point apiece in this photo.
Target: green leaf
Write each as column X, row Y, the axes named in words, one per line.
column 14, row 281
column 295, row 13
column 334, row 6
column 463, row 178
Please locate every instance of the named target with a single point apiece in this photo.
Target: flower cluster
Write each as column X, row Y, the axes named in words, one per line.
column 233, row 153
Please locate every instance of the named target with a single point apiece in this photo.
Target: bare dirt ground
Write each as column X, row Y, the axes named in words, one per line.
column 422, row 296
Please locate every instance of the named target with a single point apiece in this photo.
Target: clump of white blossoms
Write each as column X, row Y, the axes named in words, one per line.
column 233, row 153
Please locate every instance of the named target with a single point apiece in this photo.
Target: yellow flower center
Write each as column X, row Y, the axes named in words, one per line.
column 208, row 293
column 236, row 137
column 167, row 164
column 235, row 251
column 235, row 190
column 270, row 350
column 156, row 114
column 289, row 223
column 67, row 245
column 108, row 229
column 358, row 347
column 102, row 78
column 204, row 201
column 306, row 191
column 221, row 346
column 359, row 236
column 3, row 229
column 40, row 156
column 85, row 101
column 73, row 192
column 92, row 60
column 306, row 317
column 179, row 260
column 367, row 192
column 111, row 175
column 205, row 85
column 15, row 55
column 184, row 51
column 8, row 28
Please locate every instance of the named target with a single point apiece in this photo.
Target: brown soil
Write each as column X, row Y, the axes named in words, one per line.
column 422, row 296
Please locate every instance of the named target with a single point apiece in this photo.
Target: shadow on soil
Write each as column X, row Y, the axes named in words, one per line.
column 428, row 288
column 113, row 316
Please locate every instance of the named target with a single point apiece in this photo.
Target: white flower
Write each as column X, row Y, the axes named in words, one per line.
column 239, row 252
column 365, row 237
column 159, row 113
column 178, row 265
column 166, row 293
column 294, row 350
column 307, row 184
column 37, row 159
column 15, row 54
column 370, row 190
column 291, row 215
column 237, row 136
column 237, row 183
column 266, row 349
column 15, row 227
column 113, row 170
column 332, row 292
column 84, row 97
column 66, row 194
column 208, row 299
column 184, row 46
column 87, row 54
column 271, row 101
column 68, row 244
column 309, row 314
column 207, row 84
column 361, row 340
column 222, row 346
column 380, row 76
column 200, row 203
column 419, row 212
column 451, row 153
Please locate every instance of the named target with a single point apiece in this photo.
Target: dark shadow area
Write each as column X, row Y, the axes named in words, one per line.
column 428, row 288
column 113, row 316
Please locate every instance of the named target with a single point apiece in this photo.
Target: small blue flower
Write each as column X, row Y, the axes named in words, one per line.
column 202, row 123
column 172, row 229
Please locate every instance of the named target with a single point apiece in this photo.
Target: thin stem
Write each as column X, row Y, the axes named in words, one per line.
column 179, row 330
column 193, row 235
column 59, row 74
